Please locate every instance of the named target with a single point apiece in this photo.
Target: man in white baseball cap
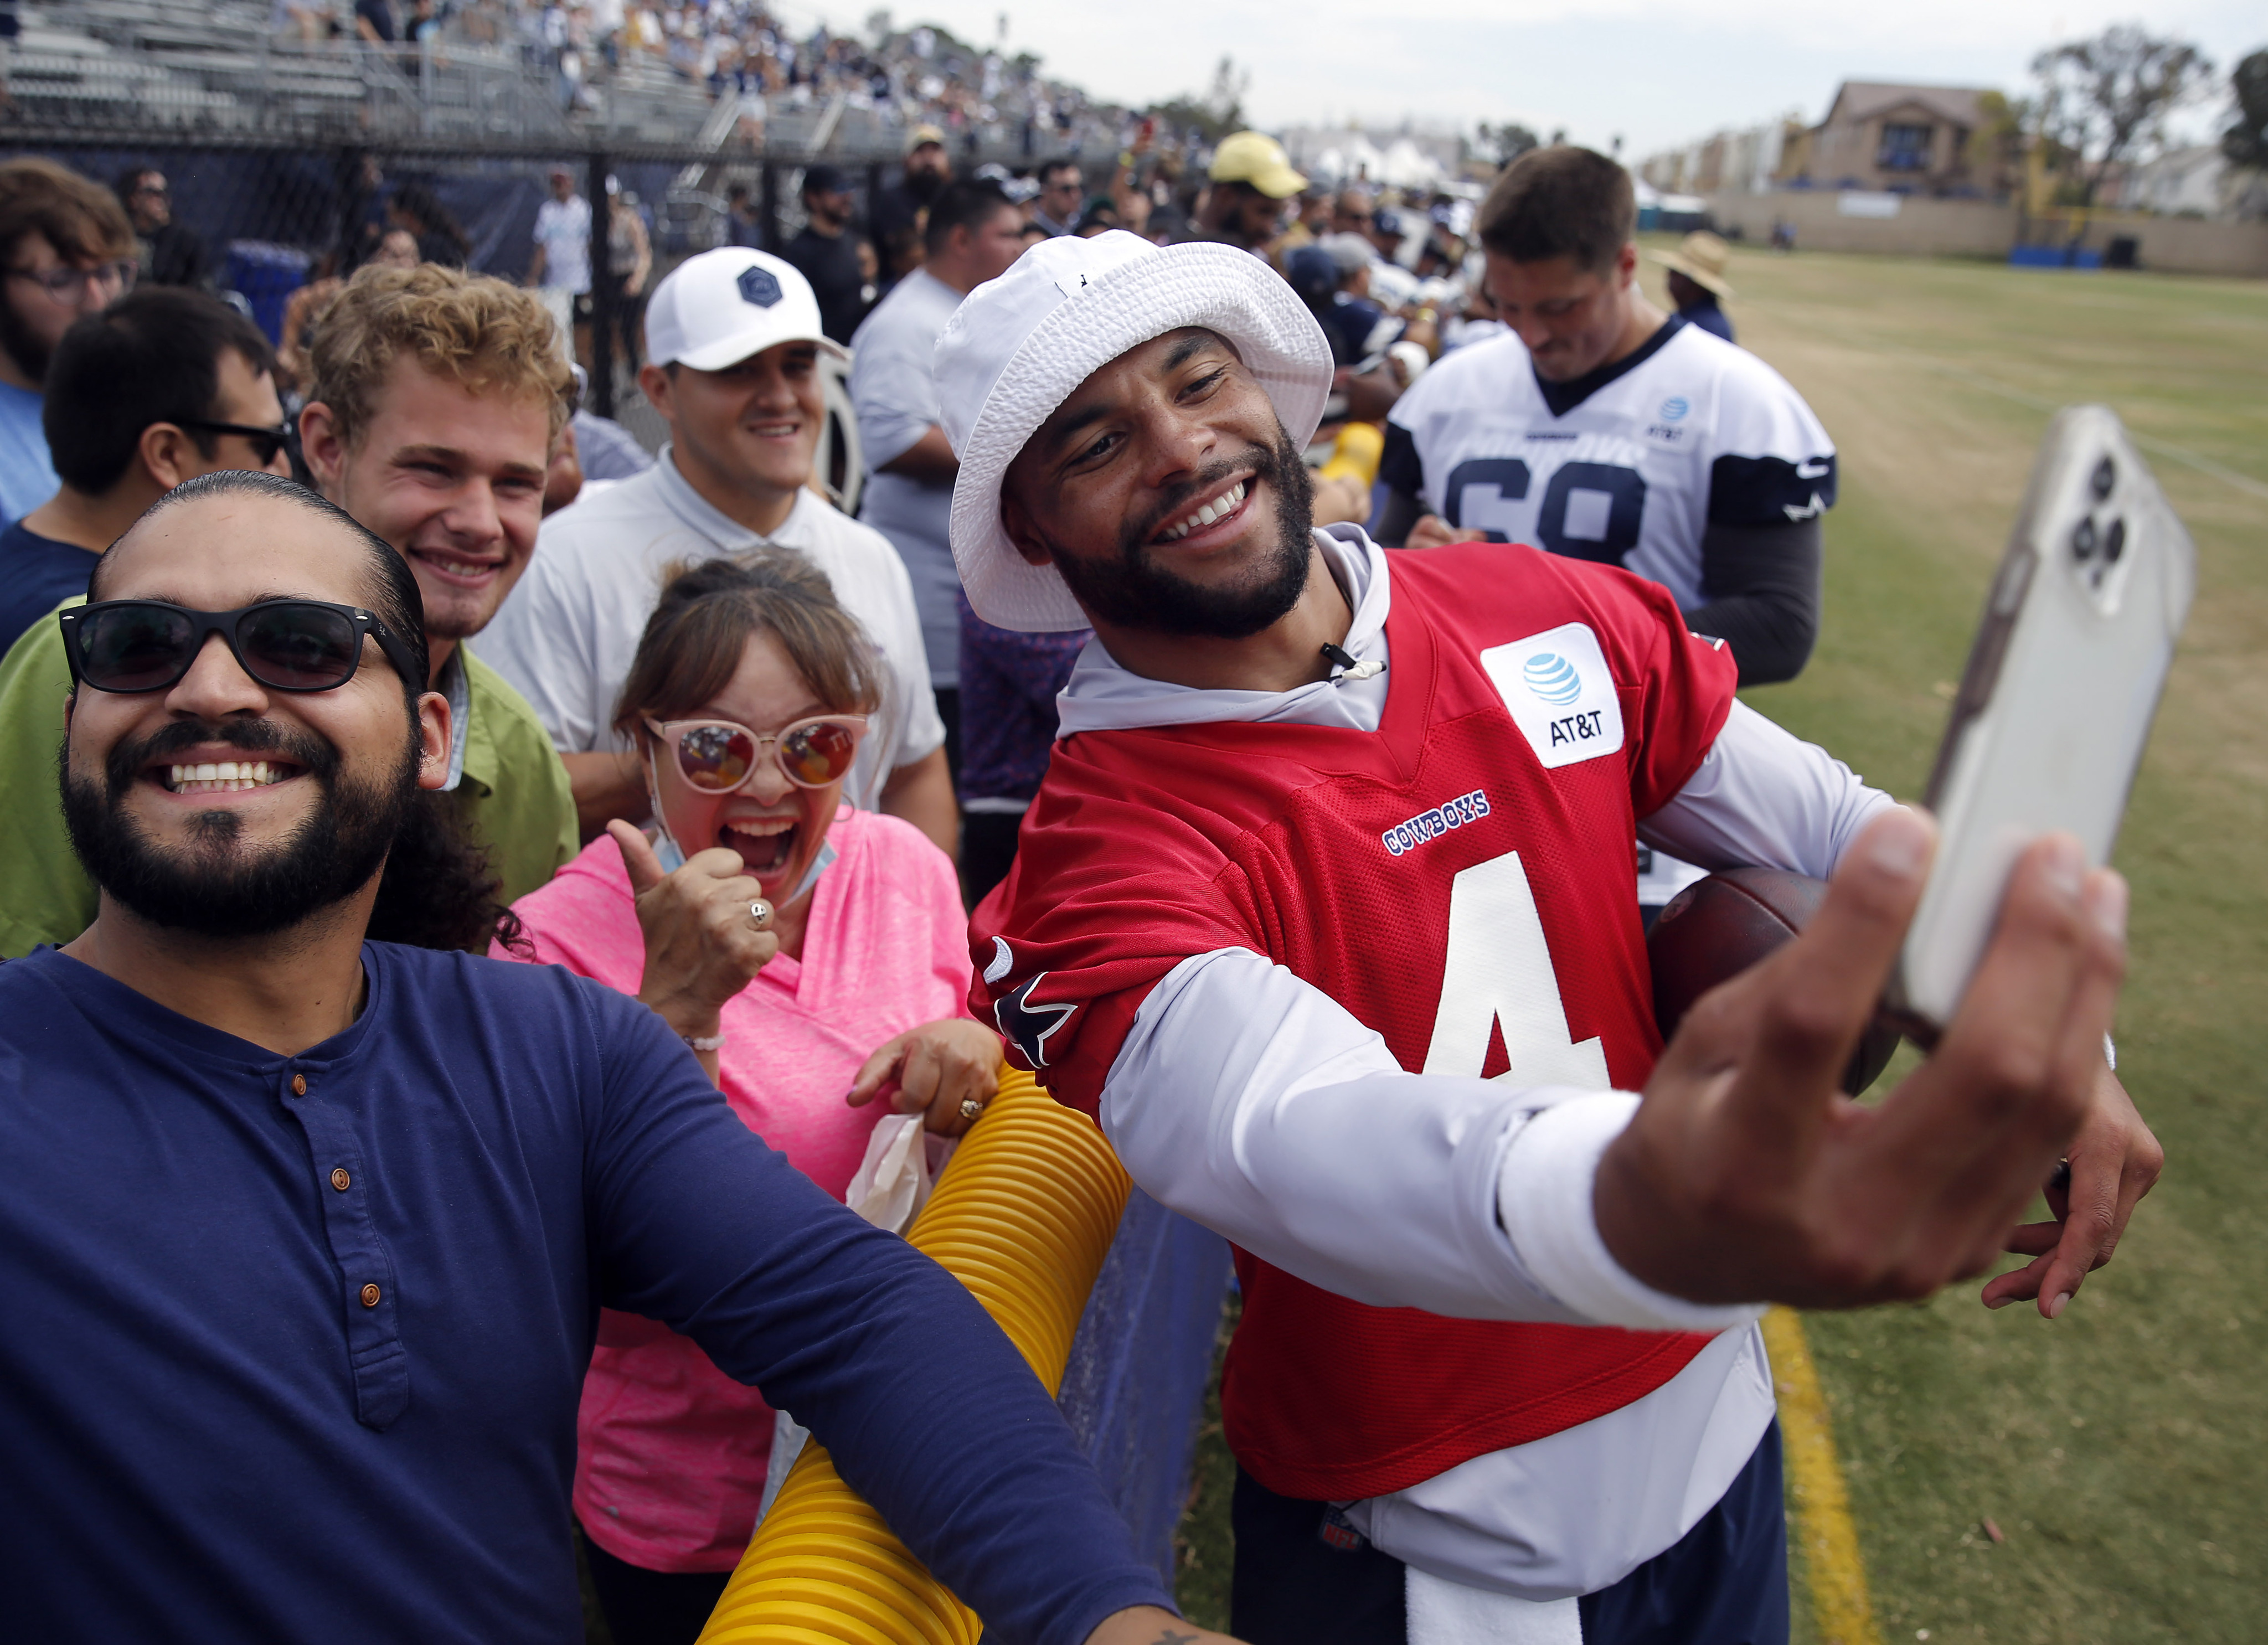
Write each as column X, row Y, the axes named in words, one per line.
column 733, row 342
column 1325, row 911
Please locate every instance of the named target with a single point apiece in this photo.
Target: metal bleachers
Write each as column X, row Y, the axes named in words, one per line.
column 223, row 71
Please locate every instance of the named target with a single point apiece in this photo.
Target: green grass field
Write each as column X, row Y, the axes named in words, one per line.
column 2123, row 1449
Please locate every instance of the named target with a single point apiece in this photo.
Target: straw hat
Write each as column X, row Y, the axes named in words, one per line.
column 1701, row 257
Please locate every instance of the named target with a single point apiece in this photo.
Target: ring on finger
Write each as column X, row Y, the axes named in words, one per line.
column 970, row 1108
column 761, row 912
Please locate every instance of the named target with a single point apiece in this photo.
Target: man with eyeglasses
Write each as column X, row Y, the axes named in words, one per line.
column 161, row 387
column 305, row 1230
column 436, row 400
column 66, row 250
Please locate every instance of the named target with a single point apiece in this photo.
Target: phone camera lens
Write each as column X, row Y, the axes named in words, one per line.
column 2114, row 541
column 2106, row 475
column 2082, row 540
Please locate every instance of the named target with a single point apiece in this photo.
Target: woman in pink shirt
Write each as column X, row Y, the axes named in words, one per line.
column 812, row 957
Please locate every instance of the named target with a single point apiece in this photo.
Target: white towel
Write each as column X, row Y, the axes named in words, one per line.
column 1443, row 1613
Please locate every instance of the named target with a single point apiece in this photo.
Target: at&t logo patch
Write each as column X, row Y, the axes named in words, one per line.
column 1560, row 694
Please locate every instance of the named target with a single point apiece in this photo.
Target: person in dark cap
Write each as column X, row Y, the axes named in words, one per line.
column 826, row 253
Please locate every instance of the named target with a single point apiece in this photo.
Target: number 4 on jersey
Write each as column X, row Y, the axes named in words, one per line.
column 1499, row 974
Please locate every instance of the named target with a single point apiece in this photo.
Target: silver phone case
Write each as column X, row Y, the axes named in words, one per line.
column 2054, row 708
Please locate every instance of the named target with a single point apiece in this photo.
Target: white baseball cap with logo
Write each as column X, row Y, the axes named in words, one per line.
column 1019, row 346
column 720, row 307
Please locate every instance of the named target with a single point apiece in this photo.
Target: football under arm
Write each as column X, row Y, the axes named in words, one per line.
column 1763, row 798
column 1761, row 596
column 1253, row 1104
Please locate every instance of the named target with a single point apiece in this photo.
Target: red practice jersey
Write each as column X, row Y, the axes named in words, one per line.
column 1462, row 880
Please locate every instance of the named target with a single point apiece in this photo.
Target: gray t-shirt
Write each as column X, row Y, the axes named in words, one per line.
column 895, row 393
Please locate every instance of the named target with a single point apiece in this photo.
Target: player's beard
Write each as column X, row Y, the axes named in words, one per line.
column 212, row 887
column 1130, row 589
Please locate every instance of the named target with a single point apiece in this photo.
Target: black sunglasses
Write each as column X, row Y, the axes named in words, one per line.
column 129, row 646
column 265, row 442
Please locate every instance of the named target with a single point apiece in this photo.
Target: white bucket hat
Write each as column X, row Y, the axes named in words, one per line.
column 1019, row 346
column 720, row 307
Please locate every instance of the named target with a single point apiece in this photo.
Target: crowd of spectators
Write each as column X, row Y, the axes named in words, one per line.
column 1389, row 277
column 980, row 95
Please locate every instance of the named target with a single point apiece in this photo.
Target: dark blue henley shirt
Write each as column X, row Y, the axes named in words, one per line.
column 294, row 1367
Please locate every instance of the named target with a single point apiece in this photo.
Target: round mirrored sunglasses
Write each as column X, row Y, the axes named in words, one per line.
column 718, row 756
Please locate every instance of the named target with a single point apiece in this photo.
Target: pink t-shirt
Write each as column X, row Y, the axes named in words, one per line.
column 670, row 1451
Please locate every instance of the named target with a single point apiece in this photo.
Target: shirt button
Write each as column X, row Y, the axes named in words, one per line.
column 370, row 1296
column 340, row 1180
column 298, row 1084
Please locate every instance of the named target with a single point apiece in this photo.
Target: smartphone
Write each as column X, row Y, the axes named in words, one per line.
column 2048, row 727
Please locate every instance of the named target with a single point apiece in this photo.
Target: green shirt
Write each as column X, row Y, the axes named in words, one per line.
column 513, row 796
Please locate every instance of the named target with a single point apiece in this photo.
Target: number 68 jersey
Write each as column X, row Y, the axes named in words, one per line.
column 1459, row 880
column 1629, row 465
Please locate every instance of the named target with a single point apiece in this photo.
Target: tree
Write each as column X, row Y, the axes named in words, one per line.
column 2245, row 142
column 2107, row 97
column 1995, row 151
column 1507, row 142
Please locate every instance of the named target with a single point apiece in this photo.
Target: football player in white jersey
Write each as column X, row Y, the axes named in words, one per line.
column 1603, row 429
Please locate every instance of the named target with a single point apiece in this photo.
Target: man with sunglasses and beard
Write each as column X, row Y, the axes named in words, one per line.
column 303, row 1236
column 436, row 400
column 1325, row 911
column 161, row 387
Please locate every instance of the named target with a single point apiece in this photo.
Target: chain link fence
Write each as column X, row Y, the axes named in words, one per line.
column 277, row 221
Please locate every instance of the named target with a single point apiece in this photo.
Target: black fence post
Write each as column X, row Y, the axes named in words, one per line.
column 603, row 290
column 772, row 240
column 354, row 206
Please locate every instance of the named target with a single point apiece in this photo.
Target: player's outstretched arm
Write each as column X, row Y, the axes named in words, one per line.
column 1747, row 1175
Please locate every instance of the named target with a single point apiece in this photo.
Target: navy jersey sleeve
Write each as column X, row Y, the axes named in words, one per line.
column 1772, row 463
column 1771, row 491
column 698, row 1223
column 1399, row 469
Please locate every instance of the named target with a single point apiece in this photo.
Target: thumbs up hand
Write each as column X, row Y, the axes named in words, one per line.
column 702, row 945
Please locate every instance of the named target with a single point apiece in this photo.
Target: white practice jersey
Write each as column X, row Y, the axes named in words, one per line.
column 1629, row 465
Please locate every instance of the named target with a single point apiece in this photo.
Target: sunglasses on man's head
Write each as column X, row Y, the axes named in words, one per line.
column 129, row 645
column 717, row 757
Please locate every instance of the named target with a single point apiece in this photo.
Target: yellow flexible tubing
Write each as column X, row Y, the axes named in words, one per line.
column 1023, row 1218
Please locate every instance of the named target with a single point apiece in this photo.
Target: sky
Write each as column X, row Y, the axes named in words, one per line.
column 1653, row 72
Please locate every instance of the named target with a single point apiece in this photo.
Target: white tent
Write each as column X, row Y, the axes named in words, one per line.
column 1405, row 165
